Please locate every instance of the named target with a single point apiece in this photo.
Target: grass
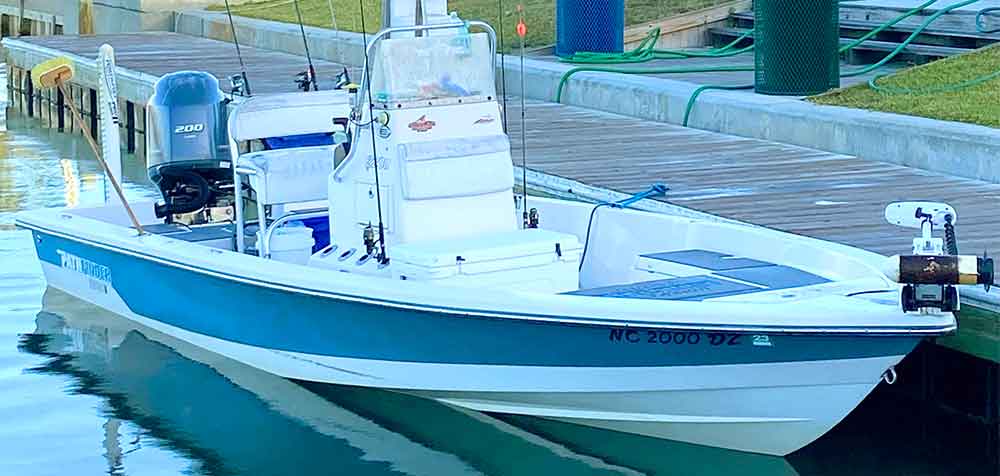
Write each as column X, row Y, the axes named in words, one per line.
column 539, row 14
column 978, row 104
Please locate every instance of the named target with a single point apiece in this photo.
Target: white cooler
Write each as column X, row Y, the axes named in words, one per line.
column 535, row 259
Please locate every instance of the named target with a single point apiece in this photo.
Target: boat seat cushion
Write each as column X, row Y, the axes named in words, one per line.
column 456, row 167
column 290, row 175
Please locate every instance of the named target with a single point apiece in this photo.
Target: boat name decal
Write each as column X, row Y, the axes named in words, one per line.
column 98, row 273
column 422, row 124
column 635, row 336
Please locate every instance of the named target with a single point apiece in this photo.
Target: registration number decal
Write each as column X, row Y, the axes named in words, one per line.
column 661, row 337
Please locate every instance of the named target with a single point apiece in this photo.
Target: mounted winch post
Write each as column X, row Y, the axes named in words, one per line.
column 55, row 73
column 931, row 273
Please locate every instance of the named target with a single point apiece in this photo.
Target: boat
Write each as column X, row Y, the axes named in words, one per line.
column 372, row 236
column 142, row 375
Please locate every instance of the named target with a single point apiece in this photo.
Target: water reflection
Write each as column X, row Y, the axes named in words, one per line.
column 42, row 167
column 232, row 419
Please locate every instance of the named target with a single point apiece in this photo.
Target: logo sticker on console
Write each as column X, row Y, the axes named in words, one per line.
column 422, row 124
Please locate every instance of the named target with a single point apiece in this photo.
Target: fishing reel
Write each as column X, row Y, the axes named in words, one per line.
column 342, row 80
column 374, row 247
column 305, row 81
column 238, row 85
column 930, row 275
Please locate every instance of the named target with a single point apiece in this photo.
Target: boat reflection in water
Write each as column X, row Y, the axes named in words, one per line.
column 229, row 418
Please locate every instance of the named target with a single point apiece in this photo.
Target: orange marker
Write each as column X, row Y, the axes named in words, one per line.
column 522, row 28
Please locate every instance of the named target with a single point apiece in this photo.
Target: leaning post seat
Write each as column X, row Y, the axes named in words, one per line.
column 290, row 175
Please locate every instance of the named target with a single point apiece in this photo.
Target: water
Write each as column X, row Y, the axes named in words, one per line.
column 83, row 391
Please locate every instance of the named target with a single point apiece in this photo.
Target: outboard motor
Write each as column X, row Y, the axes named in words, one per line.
column 188, row 151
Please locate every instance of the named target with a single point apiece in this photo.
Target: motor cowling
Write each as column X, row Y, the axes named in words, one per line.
column 187, row 148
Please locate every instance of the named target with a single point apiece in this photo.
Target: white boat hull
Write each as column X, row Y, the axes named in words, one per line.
column 771, row 408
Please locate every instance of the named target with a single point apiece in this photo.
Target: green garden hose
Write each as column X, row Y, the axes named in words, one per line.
column 899, row 49
column 599, row 69
column 701, row 89
column 980, row 26
column 944, row 88
column 647, row 51
column 891, row 23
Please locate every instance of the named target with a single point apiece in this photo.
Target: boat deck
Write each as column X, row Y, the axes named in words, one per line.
column 722, row 276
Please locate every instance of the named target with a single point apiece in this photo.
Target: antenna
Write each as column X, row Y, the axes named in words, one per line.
column 383, row 258
column 243, row 68
column 522, row 31
column 503, row 68
column 311, row 73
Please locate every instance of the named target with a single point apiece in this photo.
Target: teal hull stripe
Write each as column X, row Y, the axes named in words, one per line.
column 261, row 316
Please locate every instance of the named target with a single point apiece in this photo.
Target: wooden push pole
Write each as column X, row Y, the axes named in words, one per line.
column 55, row 73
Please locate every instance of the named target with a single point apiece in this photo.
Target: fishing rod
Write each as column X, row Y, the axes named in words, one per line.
column 503, row 68
column 310, row 75
column 383, row 257
column 530, row 219
column 244, row 83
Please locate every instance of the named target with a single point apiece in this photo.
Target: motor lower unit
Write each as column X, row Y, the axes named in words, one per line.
column 188, row 152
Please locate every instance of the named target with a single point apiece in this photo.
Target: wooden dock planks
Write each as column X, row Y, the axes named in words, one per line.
column 159, row 53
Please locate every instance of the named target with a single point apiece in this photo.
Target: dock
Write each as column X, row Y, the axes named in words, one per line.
column 804, row 191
